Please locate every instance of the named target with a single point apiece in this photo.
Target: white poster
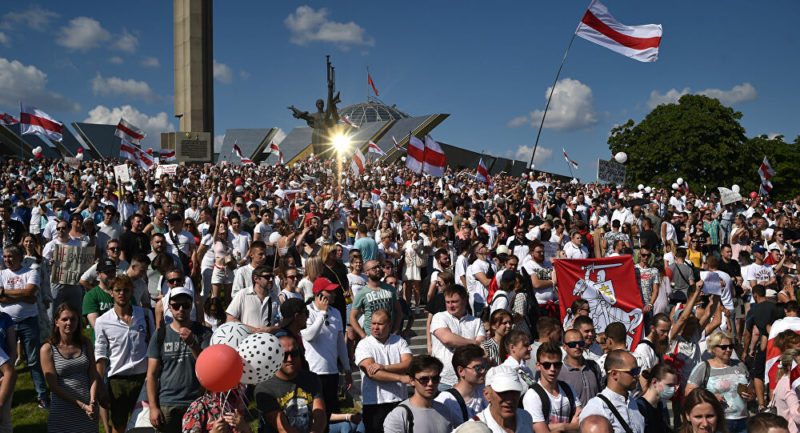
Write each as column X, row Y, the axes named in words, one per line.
column 69, row 263
column 121, row 173
column 712, row 283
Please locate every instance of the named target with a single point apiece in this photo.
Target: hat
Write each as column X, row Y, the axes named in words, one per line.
column 175, row 291
column 771, row 293
column 758, row 249
column 106, row 266
column 289, row 308
column 503, row 378
column 323, row 284
column 502, row 249
column 473, row 426
column 508, row 275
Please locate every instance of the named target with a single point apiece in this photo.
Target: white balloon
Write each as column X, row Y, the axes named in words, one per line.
column 231, row 334
column 621, row 157
column 680, row 181
column 640, row 187
column 79, row 156
column 37, row 149
column 403, row 158
column 735, row 188
column 648, row 189
column 262, row 355
column 675, row 185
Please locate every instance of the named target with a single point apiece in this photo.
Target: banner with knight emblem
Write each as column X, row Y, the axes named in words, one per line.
column 609, row 285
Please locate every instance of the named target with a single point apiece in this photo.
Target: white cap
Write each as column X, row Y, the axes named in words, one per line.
column 503, row 378
column 175, row 291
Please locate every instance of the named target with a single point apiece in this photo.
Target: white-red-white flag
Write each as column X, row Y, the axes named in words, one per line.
column 482, row 173
column 773, row 352
column 246, row 161
column 794, row 375
column 129, row 132
column 415, row 154
column 765, row 170
column 358, row 163
column 396, row 146
column 569, row 161
column 7, row 119
column 133, row 153
column 167, row 154
column 434, row 158
column 374, row 148
column 637, row 42
column 146, row 161
column 346, row 119
column 35, row 121
column 236, row 150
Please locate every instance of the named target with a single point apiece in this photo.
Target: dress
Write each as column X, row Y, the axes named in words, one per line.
column 73, row 376
column 411, row 249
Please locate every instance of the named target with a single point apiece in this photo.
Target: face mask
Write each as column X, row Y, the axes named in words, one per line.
column 667, row 393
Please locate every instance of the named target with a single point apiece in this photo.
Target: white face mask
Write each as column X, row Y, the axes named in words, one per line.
column 666, row 392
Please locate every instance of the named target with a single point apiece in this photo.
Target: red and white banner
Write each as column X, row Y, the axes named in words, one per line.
column 374, row 148
column 794, row 376
column 773, row 353
column 246, row 161
column 609, row 285
column 7, row 119
column 482, row 173
column 765, row 170
column 133, row 153
column 358, row 162
column 434, row 158
column 167, row 154
column 372, row 83
column 129, row 132
column 396, row 146
column 275, row 149
column 236, row 150
column 35, row 121
column 637, row 42
column 569, row 161
column 415, row 156
column 346, row 119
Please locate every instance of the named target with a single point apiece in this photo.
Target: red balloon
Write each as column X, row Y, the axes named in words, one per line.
column 753, row 194
column 149, row 150
column 219, row 368
column 80, row 150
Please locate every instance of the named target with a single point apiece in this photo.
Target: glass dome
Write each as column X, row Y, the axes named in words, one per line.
column 371, row 112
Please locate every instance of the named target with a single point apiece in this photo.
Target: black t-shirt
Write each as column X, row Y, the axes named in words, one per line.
column 12, row 233
column 761, row 314
column 134, row 243
column 294, row 398
column 653, row 416
column 648, row 239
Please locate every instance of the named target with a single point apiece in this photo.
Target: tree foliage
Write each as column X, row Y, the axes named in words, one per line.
column 703, row 142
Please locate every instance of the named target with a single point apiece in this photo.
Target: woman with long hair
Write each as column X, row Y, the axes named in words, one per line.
column 784, row 398
column 579, row 307
column 660, row 384
column 385, row 226
column 702, row 413
column 313, row 271
column 412, row 272
column 33, row 259
column 519, row 308
column 335, row 271
column 203, row 258
column 68, row 366
column 222, row 276
column 500, row 324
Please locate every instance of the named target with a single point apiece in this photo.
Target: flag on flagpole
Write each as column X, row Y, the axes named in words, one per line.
column 396, row 146
column 145, row 161
column 275, row 149
column 346, row 119
column 357, row 164
column 569, row 161
column 236, row 150
column 374, row 148
column 482, row 173
column 415, row 154
column 372, row 83
column 637, row 42
column 765, row 170
column 167, row 154
column 128, row 151
column 35, row 121
column 129, row 132
column 434, row 158
column 7, row 119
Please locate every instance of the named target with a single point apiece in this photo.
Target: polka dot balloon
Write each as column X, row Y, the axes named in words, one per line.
column 230, row 334
column 262, row 354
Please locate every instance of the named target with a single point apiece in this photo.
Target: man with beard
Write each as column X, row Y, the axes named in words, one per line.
column 442, row 264
column 613, row 402
column 652, row 347
column 375, row 296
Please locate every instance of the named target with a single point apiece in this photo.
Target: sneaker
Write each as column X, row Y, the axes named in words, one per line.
column 44, row 404
column 17, row 362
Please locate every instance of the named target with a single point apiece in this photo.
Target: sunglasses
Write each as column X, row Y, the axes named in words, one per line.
column 294, row 354
column 632, row 371
column 267, row 276
column 574, row 344
column 113, row 248
column 549, row 365
column 480, row 368
column 62, row 228
column 725, row 346
column 180, row 305
column 291, row 277
column 175, row 280
column 644, row 255
column 425, row 380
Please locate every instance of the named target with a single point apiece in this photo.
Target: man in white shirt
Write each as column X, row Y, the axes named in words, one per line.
column 384, row 359
column 574, row 249
column 465, row 399
column 243, row 275
column 652, row 347
column 108, row 229
column 623, row 375
column 540, row 271
column 181, row 243
column 621, row 213
column 453, row 328
column 258, row 306
column 241, row 239
column 550, row 402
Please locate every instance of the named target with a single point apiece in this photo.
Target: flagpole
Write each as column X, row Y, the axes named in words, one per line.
column 549, row 97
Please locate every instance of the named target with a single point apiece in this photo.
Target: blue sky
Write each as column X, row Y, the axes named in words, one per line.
column 487, row 64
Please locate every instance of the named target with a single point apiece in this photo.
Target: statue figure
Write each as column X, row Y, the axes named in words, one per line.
column 323, row 120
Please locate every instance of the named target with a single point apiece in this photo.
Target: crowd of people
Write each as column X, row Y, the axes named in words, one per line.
column 338, row 267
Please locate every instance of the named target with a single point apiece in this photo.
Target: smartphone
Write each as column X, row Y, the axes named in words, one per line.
column 741, row 388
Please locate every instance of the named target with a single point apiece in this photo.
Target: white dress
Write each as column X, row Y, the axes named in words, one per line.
column 411, row 249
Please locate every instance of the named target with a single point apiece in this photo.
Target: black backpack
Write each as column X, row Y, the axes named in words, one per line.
column 461, row 403
column 546, row 400
column 532, row 312
column 409, row 417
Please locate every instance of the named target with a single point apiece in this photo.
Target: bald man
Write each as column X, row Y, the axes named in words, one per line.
column 623, row 374
column 596, row 424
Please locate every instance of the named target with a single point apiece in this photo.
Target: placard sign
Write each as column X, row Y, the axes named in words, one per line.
column 712, row 283
column 609, row 171
column 728, row 196
column 69, row 263
column 550, row 250
column 121, row 173
column 72, row 161
column 166, row 169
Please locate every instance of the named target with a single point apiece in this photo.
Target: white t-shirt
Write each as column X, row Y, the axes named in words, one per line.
column 462, row 264
column 559, row 406
column 240, row 243
column 375, row 392
column 469, row 327
column 11, row 281
column 475, row 404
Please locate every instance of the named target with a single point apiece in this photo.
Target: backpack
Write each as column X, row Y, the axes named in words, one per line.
column 461, row 403
column 486, row 313
column 409, row 417
column 546, row 400
column 532, row 312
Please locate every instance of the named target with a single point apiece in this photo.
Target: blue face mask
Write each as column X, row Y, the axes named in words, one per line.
column 667, row 393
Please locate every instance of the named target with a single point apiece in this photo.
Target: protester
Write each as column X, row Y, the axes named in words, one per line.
column 613, row 402
column 453, row 328
column 702, row 413
column 785, row 399
column 465, row 398
column 660, row 383
column 421, row 413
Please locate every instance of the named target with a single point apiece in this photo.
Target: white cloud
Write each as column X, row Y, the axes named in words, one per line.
column 82, row 34
column 308, row 25
column 150, row 62
column 222, row 73
column 117, row 60
column 153, row 126
column 741, row 93
column 244, row 74
column 35, row 18
column 130, row 88
column 774, row 135
column 127, row 42
column 572, row 107
column 4, row 39
column 523, row 153
column 28, row 84
column 218, row 139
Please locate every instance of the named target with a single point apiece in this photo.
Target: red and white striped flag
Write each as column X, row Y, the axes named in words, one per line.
column 415, row 154
column 765, row 170
column 275, row 149
column 434, row 158
column 146, row 161
column 396, row 146
column 246, row 161
column 374, row 148
column 7, row 119
column 794, row 376
column 129, row 132
column 346, row 119
column 482, row 173
column 358, row 162
column 637, row 42
column 372, row 83
column 35, row 121
column 569, row 161
column 133, row 153
column 236, row 150
column 167, row 154
column 773, row 353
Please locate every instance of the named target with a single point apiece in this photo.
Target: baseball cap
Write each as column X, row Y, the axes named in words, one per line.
column 106, row 266
column 502, row 249
column 771, row 293
column 175, row 291
column 323, row 284
column 503, row 378
column 289, row 308
column 758, row 249
column 508, row 275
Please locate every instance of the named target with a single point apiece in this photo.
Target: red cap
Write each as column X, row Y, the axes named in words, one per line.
column 323, row 284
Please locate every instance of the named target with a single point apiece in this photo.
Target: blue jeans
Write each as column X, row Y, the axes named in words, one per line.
column 346, row 427
column 737, row 425
column 28, row 333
